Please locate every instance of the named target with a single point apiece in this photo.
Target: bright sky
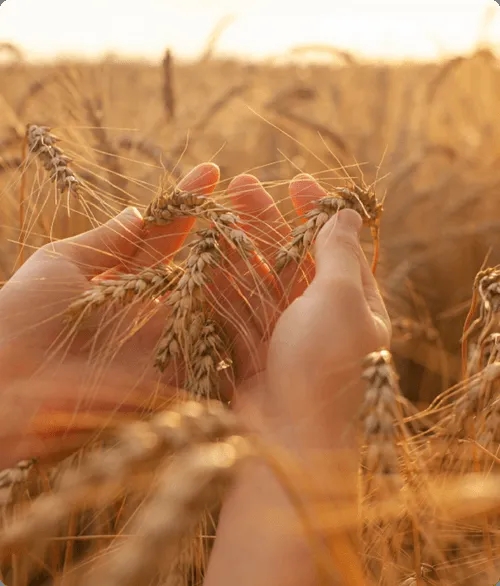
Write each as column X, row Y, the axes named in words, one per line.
column 376, row 28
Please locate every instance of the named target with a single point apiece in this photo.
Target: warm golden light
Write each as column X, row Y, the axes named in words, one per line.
column 378, row 29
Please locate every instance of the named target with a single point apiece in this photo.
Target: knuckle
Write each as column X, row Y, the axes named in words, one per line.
column 47, row 250
column 350, row 244
column 347, row 291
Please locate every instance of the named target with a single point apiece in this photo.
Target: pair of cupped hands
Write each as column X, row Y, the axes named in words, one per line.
column 298, row 348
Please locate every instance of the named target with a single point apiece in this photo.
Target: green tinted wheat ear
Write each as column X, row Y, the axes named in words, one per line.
column 43, row 144
column 303, row 236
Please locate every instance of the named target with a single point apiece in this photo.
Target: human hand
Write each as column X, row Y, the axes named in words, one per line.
column 32, row 303
column 46, row 367
column 302, row 392
column 306, row 375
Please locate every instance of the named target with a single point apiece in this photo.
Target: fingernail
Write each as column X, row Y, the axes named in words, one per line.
column 203, row 170
column 349, row 220
column 303, row 184
column 303, row 177
column 131, row 211
column 243, row 183
column 200, row 178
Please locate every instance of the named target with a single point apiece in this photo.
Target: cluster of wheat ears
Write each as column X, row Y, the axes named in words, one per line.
column 428, row 506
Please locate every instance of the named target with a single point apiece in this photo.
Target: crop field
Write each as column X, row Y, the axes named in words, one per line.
column 79, row 142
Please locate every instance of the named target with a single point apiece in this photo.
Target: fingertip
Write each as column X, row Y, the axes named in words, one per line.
column 305, row 191
column 302, row 177
column 243, row 181
column 248, row 195
column 128, row 221
column 344, row 225
column 203, row 178
column 130, row 214
column 134, row 211
column 350, row 220
column 304, row 185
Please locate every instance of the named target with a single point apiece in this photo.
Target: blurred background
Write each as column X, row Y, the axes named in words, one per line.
column 402, row 95
column 249, row 29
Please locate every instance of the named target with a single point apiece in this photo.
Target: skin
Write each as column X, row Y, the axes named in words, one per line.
column 298, row 388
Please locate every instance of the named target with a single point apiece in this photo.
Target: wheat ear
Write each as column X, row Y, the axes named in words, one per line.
column 186, row 486
column 102, row 476
column 191, row 334
column 124, row 288
column 43, row 144
column 303, row 236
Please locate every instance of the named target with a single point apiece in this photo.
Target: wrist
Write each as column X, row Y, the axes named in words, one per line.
column 300, row 415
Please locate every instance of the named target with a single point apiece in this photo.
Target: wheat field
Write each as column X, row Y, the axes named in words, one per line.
column 419, row 139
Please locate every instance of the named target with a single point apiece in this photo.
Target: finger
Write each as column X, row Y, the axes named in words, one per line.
column 104, row 247
column 338, row 252
column 261, row 219
column 265, row 225
column 338, row 290
column 372, row 294
column 162, row 242
column 304, row 192
column 255, row 283
column 368, row 282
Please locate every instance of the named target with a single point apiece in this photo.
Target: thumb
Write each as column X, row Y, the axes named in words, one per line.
column 104, row 247
column 343, row 274
column 339, row 254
